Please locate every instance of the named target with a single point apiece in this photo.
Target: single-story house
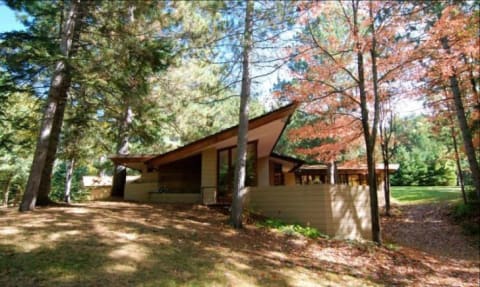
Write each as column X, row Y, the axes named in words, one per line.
column 203, row 171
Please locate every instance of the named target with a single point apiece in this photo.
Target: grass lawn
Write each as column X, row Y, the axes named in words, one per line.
column 425, row 194
column 128, row 244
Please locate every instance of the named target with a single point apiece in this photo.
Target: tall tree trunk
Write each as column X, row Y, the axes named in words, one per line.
column 53, row 115
column 240, row 167
column 369, row 134
column 385, row 138
column 453, row 134
column 46, row 179
column 459, row 166
column 463, row 124
column 120, row 171
column 68, row 180
column 6, row 190
column 466, row 134
column 386, row 185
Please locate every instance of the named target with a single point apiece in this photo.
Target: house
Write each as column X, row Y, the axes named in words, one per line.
column 202, row 171
column 100, row 187
column 350, row 174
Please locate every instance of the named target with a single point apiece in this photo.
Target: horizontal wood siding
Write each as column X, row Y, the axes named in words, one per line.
column 182, row 176
column 337, row 210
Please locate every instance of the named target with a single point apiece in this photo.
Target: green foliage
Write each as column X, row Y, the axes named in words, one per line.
column 468, row 216
column 77, row 193
column 19, row 117
column 292, row 229
column 424, row 159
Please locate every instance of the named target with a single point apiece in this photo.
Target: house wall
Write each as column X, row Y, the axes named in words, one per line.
column 175, row 197
column 148, row 177
column 209, row 176
column 181, row 176
column 263, row 171
column 289, row 178
column 101, row 192
column 139, row 191
column 209, row 168
column 339, row 211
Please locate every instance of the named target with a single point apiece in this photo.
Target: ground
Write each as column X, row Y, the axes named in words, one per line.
column 128, row 244
column 429, row 227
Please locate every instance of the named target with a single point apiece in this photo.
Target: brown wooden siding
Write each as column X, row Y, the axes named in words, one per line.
column 183, row 176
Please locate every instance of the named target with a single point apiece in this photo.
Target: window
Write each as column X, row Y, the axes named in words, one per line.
column 278, row 178
column 226, row 168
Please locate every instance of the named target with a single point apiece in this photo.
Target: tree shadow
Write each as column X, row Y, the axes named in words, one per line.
column 125, row 244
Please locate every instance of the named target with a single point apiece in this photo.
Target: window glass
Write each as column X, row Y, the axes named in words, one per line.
column 226, row 168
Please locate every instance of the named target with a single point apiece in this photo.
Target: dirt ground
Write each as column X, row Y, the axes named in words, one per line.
column 128, row 244
column 429, row 228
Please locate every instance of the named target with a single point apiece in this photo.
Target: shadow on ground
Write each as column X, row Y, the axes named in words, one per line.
column 127, row 244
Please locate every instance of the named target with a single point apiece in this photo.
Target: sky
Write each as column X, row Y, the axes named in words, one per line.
column 8, row 22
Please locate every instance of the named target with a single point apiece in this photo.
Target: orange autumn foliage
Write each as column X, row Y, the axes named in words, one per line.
column 329, row 85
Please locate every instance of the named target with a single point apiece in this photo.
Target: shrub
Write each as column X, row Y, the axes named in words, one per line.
column 292, row 229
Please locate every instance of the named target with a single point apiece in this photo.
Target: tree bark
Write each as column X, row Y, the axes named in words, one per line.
column 240, row 167
column 6, row 190
column 463, row 124
column 386, row 185
column 68, row 180
column 467, row 137
column 369, row 135
column 385, row 138
column 453, row 134
column 120, row 171
column 459, row 166
column 46, row 178
column 50, row 127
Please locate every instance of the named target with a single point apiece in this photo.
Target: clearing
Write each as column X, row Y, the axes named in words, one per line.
column 421, row 219
column 425, row 194
column 128, row 244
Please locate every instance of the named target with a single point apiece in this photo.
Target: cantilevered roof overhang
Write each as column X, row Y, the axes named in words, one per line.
column 265, row 129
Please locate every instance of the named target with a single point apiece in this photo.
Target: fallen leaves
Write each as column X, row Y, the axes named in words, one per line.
column 124, row 244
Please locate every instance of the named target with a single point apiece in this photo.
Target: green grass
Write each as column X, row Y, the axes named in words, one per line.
column 426, row 194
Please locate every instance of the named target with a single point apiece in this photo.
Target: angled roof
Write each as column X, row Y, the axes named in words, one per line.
column 257, row 127
column 199, row 145
column 130, row 158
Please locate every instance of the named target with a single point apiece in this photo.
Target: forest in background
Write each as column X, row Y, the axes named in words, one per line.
column 147, row 77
